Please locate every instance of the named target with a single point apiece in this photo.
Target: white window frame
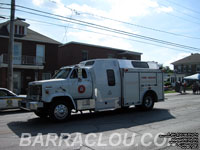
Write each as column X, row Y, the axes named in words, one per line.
column 179, row 68
column 198, row 68
column 41, row 60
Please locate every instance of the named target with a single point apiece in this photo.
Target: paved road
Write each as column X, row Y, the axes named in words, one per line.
column 179, row 113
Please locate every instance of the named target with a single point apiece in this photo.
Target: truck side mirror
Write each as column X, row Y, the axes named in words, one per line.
column 79, row 74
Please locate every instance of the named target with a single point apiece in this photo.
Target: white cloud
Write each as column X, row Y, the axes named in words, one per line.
column 126, row 9
column 38, row 2
column 174, row 58
column 164, row 9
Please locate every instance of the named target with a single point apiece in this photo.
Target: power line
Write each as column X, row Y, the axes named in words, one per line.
column 182, row 6
column 132, row 24
column 183, row 14
column 127, row 23
column 109, row 35
column 109, row 29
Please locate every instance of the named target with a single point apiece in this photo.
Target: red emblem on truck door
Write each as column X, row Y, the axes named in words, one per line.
column 81, row 89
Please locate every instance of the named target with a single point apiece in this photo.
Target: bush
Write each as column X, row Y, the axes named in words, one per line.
column 167, row 83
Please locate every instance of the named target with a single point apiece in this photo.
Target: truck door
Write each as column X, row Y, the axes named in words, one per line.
column 107, row 86
column 80, row 88
column 131, row 88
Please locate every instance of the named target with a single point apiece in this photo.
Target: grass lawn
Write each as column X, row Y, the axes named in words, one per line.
column 172, row 91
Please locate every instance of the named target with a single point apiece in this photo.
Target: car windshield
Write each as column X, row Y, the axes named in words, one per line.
column 62, row 73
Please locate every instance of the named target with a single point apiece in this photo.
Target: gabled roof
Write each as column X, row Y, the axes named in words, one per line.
column 192, row 59
column 30, row 36
column 121, row 51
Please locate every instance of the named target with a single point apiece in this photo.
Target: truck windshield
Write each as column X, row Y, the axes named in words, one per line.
column 62, row 74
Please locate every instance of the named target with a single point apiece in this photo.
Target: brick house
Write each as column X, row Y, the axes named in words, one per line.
column 36, row 57
column 74, row 52
column 33, row 56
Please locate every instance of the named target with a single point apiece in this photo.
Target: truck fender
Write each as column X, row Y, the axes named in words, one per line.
column 151, row 92
column 64, row 95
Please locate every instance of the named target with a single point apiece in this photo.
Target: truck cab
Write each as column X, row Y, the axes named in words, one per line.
column 96, row 85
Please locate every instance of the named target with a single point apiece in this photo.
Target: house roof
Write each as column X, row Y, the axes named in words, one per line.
column 30, row 36
column 192, row 59
column 121, row 51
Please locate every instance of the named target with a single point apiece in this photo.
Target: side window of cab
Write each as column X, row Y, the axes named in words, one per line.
column 74, row 74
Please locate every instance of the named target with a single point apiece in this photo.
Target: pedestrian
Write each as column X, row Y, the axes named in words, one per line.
column 181, row 87
column 184, row 86
column 198, row 87
column 194, row 87
column 177, row 87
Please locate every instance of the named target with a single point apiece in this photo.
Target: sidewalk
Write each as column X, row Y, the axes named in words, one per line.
column 176, row 93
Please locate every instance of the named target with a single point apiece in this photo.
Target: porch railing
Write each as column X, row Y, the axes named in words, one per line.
column 23, row 60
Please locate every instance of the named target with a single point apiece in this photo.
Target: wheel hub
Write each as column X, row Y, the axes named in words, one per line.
column 60, row 111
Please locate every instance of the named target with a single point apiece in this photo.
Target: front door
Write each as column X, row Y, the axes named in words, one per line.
column 80, row 88
column 17, row 82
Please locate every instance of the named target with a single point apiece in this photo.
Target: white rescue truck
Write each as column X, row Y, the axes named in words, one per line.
column 96, row 85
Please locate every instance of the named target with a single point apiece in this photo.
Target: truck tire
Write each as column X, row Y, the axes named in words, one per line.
column 41, row 114
column 59, row 111
column 147, row 104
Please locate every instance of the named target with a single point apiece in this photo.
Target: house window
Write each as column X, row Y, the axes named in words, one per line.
column 111, row 77
column 189, row 68
column 184, row 68
column 179, row 69
column 84, row 55
column 46, row 76
column 19, row 30
column 17, row 53
column 40, row 54
column 198, row 68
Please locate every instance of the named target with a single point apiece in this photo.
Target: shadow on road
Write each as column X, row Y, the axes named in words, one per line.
column 11, row 111
column 91, row 122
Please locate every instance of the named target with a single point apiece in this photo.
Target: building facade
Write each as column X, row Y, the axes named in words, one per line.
column 187, row 66
column 37, row 57
column 33, row 56
column 74, row 52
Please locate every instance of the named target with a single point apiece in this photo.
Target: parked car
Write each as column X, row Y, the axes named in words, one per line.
column 8, row 99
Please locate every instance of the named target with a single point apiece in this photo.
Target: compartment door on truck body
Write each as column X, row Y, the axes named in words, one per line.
column 80, row 89
column 130, row 88
column 107, row 85
column 160, row 86
column 148, row 81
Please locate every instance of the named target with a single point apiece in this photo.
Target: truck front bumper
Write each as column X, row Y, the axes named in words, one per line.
column 30, row 105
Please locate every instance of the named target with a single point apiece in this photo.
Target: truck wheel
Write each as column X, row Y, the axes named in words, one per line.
column 59, row 111
column 148, row 102
column 41, row 114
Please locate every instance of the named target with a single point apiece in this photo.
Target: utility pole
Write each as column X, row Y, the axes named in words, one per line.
column 11, row 47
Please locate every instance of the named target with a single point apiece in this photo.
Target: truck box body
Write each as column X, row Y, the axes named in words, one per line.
column 129, row 83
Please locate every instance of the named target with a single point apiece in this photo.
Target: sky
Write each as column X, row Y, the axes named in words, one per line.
column 167, row 20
